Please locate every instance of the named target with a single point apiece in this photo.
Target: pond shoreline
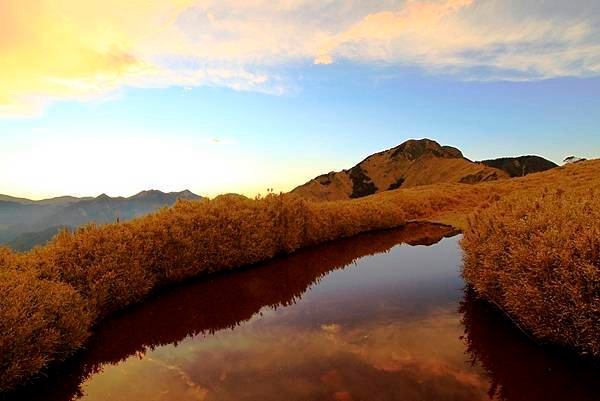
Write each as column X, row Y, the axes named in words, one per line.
column 372, row 291
column 425, row 237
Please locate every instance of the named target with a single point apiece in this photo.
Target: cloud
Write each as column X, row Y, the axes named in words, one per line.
column 498, row 38
column 69, row 49
column 222, row 142
column 74, row 50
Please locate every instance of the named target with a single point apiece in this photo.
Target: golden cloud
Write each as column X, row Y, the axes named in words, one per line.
column 66, row 49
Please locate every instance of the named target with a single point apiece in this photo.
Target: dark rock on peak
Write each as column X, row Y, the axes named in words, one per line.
column 520, row 166
column 573, row 159
column 362, row 185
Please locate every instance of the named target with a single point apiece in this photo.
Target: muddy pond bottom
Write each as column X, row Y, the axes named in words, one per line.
column 382, row 316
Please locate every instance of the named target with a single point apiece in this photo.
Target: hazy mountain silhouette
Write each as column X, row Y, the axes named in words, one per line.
column 61, row 200
column 413, row 163
column 26, row 241
column 25, row 223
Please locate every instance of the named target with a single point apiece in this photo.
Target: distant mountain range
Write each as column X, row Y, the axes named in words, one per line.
column 414, row 163
column 25, row 223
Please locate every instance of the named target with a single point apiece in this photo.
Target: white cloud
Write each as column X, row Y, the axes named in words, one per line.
column 95, row 47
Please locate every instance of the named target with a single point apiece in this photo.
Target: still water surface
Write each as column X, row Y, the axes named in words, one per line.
column 382, row 316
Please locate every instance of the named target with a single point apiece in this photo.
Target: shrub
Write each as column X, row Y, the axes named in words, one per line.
column 538, row 259
column 40, row 322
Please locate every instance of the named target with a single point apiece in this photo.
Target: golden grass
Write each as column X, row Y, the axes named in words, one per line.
column 40, row 322
column 453, row 203
column 537, row 256
column 57, row 292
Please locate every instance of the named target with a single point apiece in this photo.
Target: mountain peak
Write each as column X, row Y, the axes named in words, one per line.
column 414, row 149
column 412, row 163
column 156, row 194
column 147, row 193
column 187, row 194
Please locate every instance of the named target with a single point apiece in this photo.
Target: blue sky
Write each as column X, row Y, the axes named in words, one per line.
column 250, row 119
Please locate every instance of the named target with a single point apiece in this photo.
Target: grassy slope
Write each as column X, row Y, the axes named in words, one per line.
column 98, row 270
column 452, row 203
column 536, row 255
column 414, row 163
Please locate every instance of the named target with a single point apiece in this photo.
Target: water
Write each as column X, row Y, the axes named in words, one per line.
column 383, row 316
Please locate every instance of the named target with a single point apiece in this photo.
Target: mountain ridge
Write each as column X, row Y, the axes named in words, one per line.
column 31, row 222
column 412, row 163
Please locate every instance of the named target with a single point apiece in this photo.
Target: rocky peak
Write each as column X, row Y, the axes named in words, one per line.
column 414, row 149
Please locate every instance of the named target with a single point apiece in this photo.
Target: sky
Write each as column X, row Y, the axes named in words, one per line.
column 244, row 95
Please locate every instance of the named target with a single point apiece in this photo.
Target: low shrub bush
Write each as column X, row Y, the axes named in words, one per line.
column 40, row 322
column 538, row 258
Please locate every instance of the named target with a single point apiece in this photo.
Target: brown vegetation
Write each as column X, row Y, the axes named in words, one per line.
column 538, row 258
column 53, row 293
column 56, row 292
column 40, row 322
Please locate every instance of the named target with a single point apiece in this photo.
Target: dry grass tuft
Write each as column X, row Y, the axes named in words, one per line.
column 538, row 258
column 40, row 322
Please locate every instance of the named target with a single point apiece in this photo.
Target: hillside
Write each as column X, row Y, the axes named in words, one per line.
column 25, row 223
column 520, row 166
column 413, row 163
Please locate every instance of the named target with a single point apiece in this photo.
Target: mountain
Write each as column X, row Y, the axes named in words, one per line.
column 22, row 201
column 25, row 223
column 104, row 209
column 520, row 166
column 26, row 241
column 16, row 217
column 61, row 200
column 413, row 163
